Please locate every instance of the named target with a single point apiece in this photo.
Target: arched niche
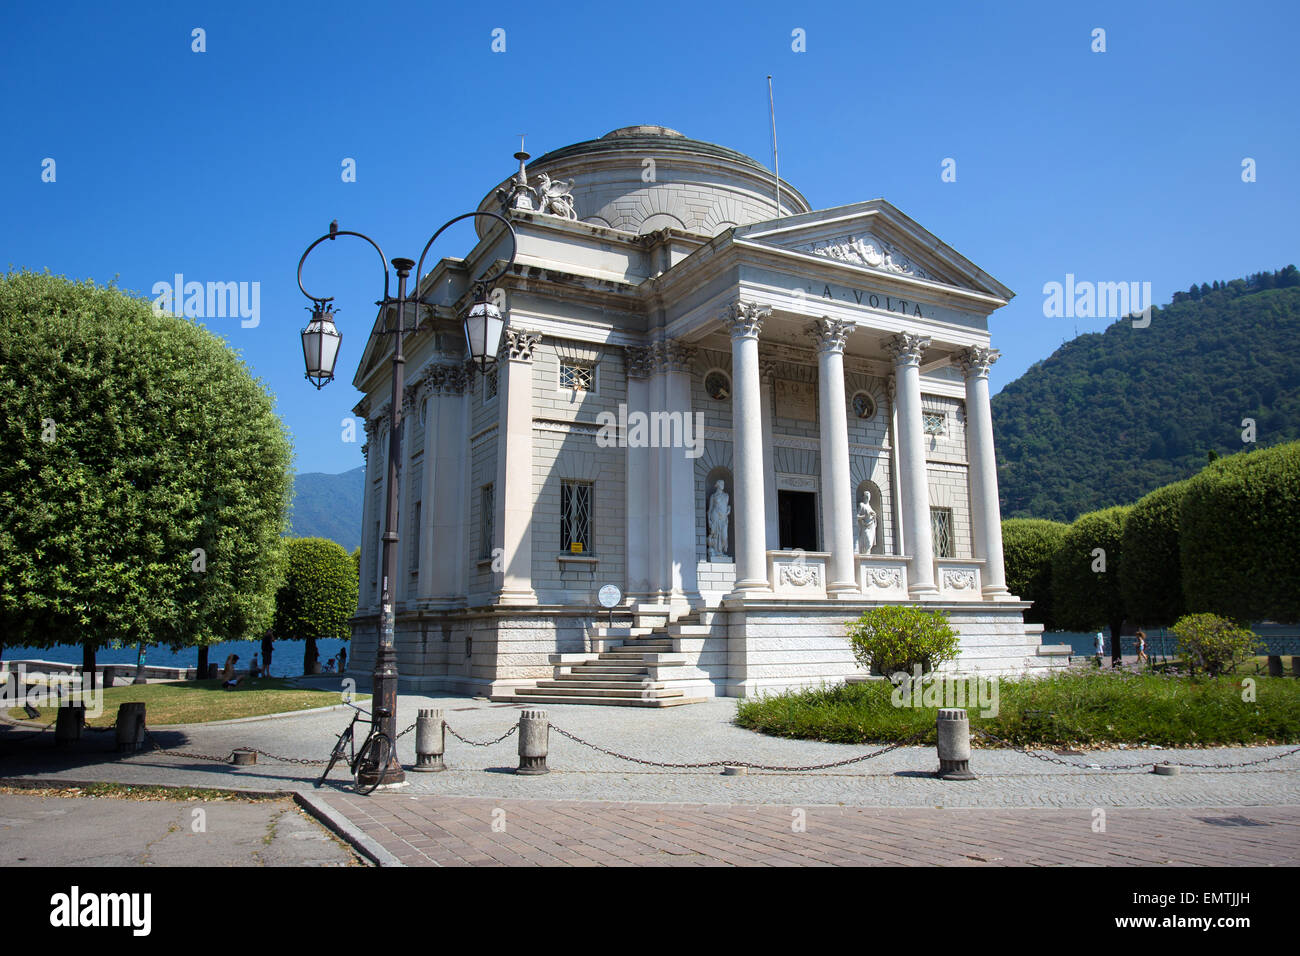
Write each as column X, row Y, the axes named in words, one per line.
column 872, row 491
column 714, row 476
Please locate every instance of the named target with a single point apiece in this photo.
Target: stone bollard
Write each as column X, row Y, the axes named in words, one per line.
column 130, row 726
column 67, row 725
column 430, row 741
column 1275, row 665
column 243, row 757
column 954, row 745
column 534, row 735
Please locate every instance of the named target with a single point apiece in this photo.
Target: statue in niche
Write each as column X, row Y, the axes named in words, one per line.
column 866, row 525
column 719, row 512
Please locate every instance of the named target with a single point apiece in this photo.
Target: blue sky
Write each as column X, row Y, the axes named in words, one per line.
column 223, row 165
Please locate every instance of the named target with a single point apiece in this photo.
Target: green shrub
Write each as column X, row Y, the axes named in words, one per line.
column 897, row 638
column 1027, row 547
column 1150, row 578
column 1214, row 644
column 318, row 596
column 1240, row 536
column 1085, row 574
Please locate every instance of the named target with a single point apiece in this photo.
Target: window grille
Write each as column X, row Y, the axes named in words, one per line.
column 941, row 531
column 578, row 378
column 935, row 423
column 486, row 514
column 489, row 386
column 575, row 517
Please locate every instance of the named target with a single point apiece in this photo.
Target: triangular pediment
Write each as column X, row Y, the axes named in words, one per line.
column 877, row 238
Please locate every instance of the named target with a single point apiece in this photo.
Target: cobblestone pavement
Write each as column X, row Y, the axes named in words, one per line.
column 45, row 830
column 426, row 830
column 699, row 732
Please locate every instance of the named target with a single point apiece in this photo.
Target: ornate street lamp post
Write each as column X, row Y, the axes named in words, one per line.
column 484, row 325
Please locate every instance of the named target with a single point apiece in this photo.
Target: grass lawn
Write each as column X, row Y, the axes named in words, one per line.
column 1075, row 709
column 193, row 702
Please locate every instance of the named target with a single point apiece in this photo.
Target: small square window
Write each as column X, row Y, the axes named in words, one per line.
column 577, row 378
column 934, row 423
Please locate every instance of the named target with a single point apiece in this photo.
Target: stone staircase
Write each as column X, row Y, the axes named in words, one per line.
column 631, row 670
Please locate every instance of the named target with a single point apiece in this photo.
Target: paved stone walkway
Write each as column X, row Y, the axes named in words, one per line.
column 44, row 830
column 424, row 830
column 699, row 732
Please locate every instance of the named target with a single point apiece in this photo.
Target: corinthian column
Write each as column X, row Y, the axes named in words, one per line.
column 514, row 484
column 744, row 321
column 906, row 350
column 837, row 496
column 986, row 514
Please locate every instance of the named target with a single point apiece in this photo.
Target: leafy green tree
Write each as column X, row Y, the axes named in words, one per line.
column 1214, row 644
column 895, row 638
column 1240, row 536
column 1028, row 545
column 318, row 596
column 1086, row 593
column 144, row 475
column 1150, row 575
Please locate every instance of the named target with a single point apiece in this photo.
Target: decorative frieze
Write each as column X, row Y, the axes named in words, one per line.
column 866, row 250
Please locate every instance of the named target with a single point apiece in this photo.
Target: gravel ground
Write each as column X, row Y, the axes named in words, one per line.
column 693, row 733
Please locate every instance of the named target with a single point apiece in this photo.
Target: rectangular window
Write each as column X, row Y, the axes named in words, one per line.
column 575, row 517
column 489, row 386
column 414, row 562
column 934, row 423
column 487, row 507
column 941, row 531
column 577, row 378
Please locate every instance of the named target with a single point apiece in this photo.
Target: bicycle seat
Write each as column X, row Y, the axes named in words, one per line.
column 381, row 712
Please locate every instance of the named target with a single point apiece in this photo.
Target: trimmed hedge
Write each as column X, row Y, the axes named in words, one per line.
column 1027, row 546
column 1240, row 536
column 1151, row 581
column 1084, row 599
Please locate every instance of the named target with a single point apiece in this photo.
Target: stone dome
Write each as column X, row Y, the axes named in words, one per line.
column 640, row 179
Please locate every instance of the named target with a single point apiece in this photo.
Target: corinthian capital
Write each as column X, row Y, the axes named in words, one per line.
column 744, row 320
column 830, row 334
column 975, row 360
column 676, row 356
column 519, row 344
column 640, row 361
column 906, row 348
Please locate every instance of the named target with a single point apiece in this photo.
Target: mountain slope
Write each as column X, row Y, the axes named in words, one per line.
column 329, row 506
column 1110, row 416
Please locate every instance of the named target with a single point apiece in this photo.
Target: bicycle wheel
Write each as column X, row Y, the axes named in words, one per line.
column 371, row 761
column 340, row 748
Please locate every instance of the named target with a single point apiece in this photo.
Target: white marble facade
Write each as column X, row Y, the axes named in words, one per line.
column 801, row 361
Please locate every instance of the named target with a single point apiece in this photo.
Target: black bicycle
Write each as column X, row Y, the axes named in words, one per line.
column 367, row 761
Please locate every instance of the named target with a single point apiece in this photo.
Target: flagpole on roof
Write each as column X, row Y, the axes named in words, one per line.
column 776, row 162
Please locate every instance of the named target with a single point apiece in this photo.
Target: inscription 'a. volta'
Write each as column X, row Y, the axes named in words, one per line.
column 876, row 301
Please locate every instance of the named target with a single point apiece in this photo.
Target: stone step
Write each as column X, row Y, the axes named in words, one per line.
column 543, row 698
column 555, row 689
column 1055, row 650
column 619, row 678
column 601, row 668
column 566, row 681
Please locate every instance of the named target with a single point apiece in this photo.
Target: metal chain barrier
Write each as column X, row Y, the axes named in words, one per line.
column 476, row 743
column 1146, row 765
column 741, row 763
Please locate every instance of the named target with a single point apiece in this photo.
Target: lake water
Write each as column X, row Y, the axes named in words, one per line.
column 286, row 659
column 1279, row 639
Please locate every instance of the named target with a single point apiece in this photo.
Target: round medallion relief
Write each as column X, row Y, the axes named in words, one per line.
column 864, row 406
column 718, row 386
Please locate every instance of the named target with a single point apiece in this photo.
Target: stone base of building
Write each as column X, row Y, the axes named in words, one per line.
column 737, row 650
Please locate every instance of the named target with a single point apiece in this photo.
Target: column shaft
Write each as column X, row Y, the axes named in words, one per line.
column 514, row 479
column 907, row 351
column 744, row 322
column 837, row 495
column 986, row 513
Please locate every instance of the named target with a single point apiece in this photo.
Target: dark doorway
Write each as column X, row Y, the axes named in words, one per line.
column 797, row 512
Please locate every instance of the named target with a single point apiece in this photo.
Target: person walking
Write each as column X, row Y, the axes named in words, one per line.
column 343, row 660
column 1142, row 647
column 1101, row 646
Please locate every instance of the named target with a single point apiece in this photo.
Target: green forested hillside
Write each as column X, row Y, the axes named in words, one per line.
column 329, row 506
column 1110, row 416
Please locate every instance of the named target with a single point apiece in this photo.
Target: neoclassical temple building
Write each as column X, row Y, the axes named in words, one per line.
column 753, row 418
